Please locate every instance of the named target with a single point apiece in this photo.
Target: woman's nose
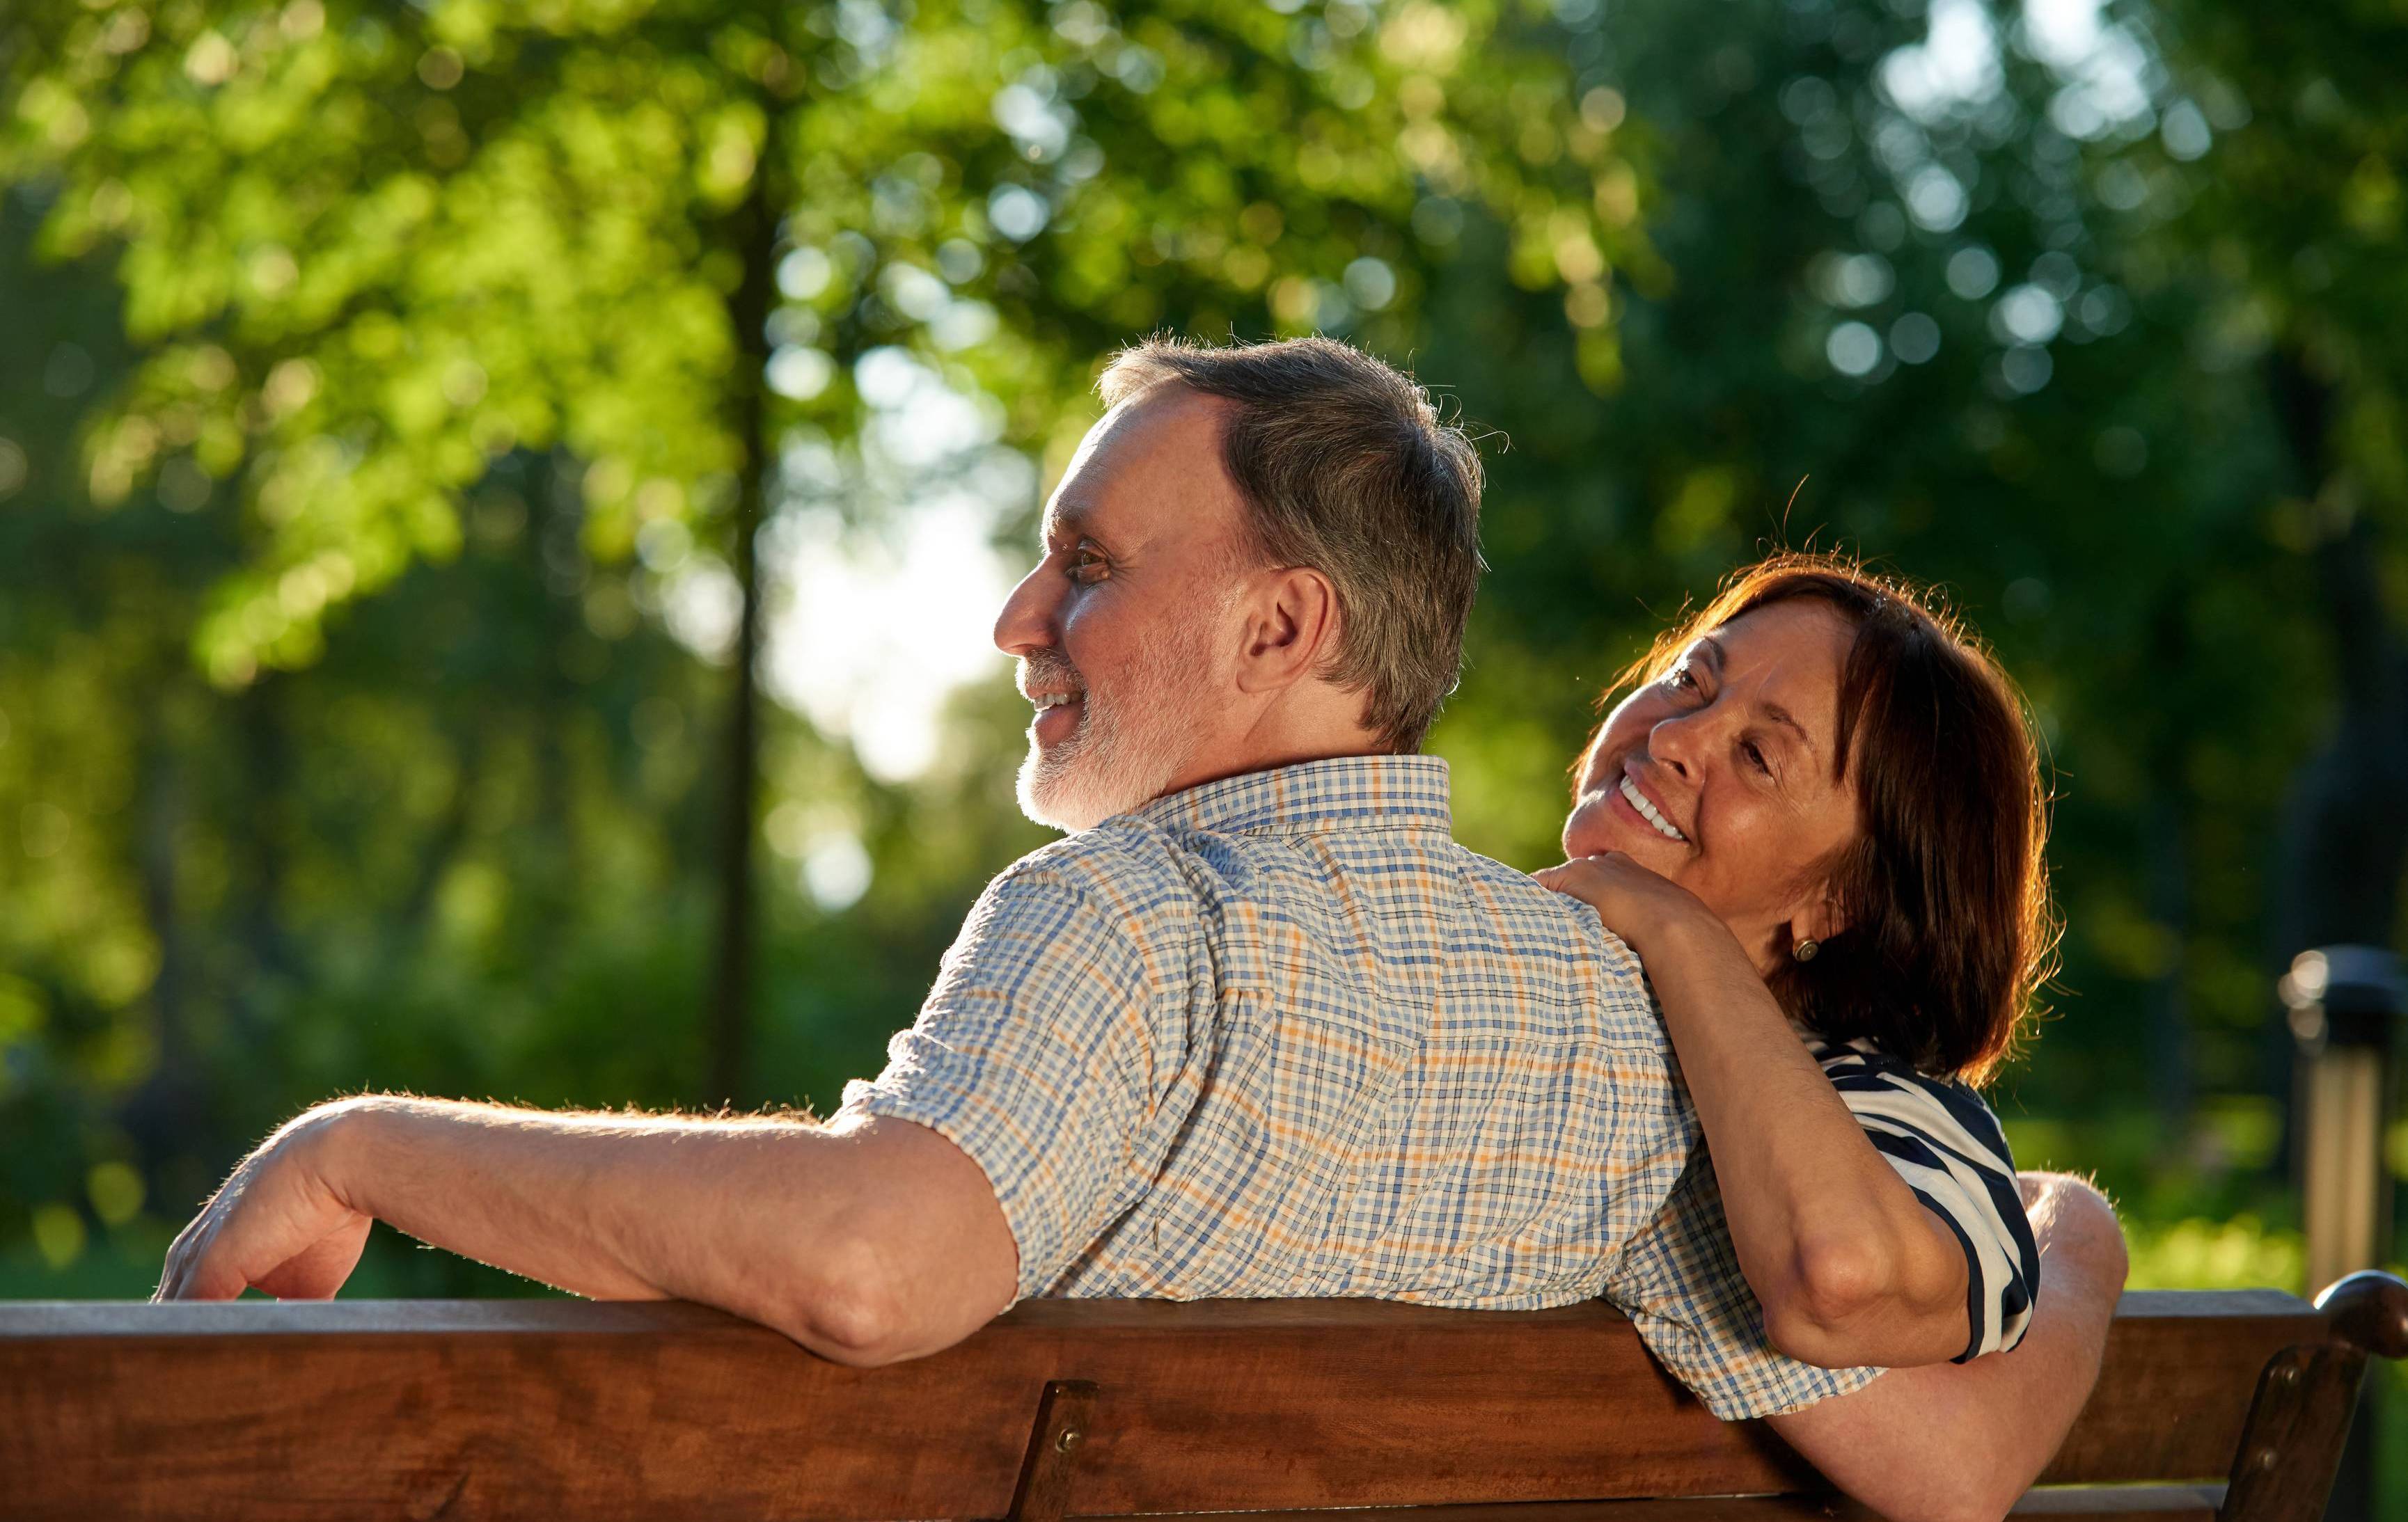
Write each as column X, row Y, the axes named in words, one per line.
column 1674, row 743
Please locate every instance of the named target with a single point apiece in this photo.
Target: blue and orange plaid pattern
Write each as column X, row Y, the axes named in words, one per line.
column 1280, row 1035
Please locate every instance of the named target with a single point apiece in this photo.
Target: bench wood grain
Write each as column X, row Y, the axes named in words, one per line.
column 579, row 1410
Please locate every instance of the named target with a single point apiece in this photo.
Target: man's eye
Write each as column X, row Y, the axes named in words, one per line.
column 1756, row 756
column 1087, row 567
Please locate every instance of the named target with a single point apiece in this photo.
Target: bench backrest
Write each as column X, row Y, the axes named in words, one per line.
column 575, row 1410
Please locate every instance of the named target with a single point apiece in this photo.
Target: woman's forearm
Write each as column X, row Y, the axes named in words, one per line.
column 1849, row 1265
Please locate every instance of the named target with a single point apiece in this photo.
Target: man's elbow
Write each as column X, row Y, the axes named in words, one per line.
column 849, row 1307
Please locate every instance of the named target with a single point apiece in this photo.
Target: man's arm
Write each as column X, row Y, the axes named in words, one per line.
column 1957, row 1443
column 868, row 1242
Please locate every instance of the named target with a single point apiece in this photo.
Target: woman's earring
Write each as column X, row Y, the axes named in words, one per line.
column 1804, row 950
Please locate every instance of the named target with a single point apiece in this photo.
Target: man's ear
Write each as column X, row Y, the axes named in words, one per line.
column 1290, row 627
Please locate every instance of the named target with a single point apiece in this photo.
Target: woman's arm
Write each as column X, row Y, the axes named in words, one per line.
column 1850, row 1266
column 1958, row 1442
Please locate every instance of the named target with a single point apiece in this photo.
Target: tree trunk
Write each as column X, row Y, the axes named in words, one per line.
column 753, row 229
column 2347, row 840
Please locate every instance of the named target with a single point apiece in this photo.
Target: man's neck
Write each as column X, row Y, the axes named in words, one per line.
column 1319, row 724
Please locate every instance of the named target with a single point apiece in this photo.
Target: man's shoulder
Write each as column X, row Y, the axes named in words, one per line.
column 1124, row 874
column 1120, row 851
column 1534, row 917
column 1151, row 882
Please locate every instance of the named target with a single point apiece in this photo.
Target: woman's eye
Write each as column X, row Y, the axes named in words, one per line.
column 1756, row 756
column 1680, row 678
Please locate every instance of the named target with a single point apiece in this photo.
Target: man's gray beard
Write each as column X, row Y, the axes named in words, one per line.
column 1126, row 749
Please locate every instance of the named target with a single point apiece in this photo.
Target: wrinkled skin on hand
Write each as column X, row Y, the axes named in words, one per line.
column 276, row 1225
column 1635, row 904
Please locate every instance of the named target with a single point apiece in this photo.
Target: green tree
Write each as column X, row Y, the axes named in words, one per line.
column 2288, row 143
column 1943, row 311
column 367, row 254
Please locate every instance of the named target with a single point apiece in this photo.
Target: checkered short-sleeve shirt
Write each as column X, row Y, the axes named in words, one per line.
column 1280, row 1035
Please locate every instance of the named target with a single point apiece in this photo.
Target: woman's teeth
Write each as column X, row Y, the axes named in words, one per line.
column 1648, row 811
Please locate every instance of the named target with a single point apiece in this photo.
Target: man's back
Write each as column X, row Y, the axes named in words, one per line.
column 1280, row 1035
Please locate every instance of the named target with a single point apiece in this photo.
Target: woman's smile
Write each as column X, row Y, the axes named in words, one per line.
column 1627, row 792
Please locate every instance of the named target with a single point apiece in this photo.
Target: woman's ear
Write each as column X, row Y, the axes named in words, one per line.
column 1818, row 920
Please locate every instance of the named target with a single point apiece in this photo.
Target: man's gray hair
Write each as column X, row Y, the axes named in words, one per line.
column 1347, row 469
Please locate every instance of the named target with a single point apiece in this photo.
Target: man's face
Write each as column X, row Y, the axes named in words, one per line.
column 1125, row 629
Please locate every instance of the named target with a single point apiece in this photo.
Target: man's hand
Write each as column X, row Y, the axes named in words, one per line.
column 278, row 1224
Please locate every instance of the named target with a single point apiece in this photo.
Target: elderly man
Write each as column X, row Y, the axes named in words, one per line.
column 1268, row 1031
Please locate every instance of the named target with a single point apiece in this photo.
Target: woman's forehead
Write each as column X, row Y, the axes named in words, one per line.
column 1801, row 633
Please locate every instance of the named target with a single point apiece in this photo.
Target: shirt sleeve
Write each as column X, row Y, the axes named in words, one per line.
column 1032, row 1054
column 1950, row 1149
column 1680, row 1283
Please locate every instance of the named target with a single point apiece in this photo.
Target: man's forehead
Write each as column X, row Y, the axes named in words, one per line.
column 1157, row 449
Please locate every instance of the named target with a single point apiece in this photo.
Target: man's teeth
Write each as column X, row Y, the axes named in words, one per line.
column 1052, row 700
column 1648, row 811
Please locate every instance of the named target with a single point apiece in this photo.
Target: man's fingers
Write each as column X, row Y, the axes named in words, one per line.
column 179, row 1256
column 212, row 1278
column 318, row 1271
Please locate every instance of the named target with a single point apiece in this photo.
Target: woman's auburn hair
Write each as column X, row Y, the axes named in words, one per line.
column 1949, row 933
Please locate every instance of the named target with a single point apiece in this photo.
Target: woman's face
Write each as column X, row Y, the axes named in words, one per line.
column 1719, row 775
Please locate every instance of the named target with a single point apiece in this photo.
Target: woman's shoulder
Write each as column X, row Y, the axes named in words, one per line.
column 1949, row 1148
column 1945, row 1111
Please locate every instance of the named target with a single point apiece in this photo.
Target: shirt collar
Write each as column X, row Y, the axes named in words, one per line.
column 1343, row 792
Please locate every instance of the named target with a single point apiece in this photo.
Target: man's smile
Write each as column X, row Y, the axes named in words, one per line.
column 1057, row 716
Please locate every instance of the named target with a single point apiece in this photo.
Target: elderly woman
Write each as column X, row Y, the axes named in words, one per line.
column 1817, row 818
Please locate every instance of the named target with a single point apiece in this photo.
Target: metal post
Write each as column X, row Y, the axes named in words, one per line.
column 2345, row 1003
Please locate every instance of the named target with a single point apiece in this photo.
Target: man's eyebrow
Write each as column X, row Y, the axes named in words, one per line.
column 1067, row 519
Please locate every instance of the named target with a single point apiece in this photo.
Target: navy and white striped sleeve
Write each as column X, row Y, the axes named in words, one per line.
column 1950, row 1149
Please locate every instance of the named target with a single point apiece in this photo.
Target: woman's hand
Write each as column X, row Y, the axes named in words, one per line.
column 1636, row 905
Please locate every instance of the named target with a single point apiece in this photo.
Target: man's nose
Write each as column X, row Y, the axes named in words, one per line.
column 1027, row 622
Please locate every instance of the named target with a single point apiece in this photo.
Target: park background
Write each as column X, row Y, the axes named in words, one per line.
column 501, row 501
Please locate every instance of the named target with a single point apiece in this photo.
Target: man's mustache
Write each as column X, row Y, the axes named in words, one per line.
column 1048, row 670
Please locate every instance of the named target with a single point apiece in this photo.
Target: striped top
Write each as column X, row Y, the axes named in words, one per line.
column 1950, row 1149
column 1280, row 1035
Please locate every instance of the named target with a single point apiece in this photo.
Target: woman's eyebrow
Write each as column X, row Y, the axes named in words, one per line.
column 1776, row 714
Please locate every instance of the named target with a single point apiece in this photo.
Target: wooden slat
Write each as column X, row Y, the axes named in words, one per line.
column 2076, row 1503
column 571, row 1410
column 2175, row 1390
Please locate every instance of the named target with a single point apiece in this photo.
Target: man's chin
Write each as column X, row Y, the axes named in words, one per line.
column 1049, row 793
column 1059, row 788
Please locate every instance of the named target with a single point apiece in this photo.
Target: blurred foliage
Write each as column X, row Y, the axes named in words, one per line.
column 368, row 252
column 372, row 415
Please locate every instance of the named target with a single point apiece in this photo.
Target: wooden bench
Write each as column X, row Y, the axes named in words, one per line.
column 2210, row 1404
